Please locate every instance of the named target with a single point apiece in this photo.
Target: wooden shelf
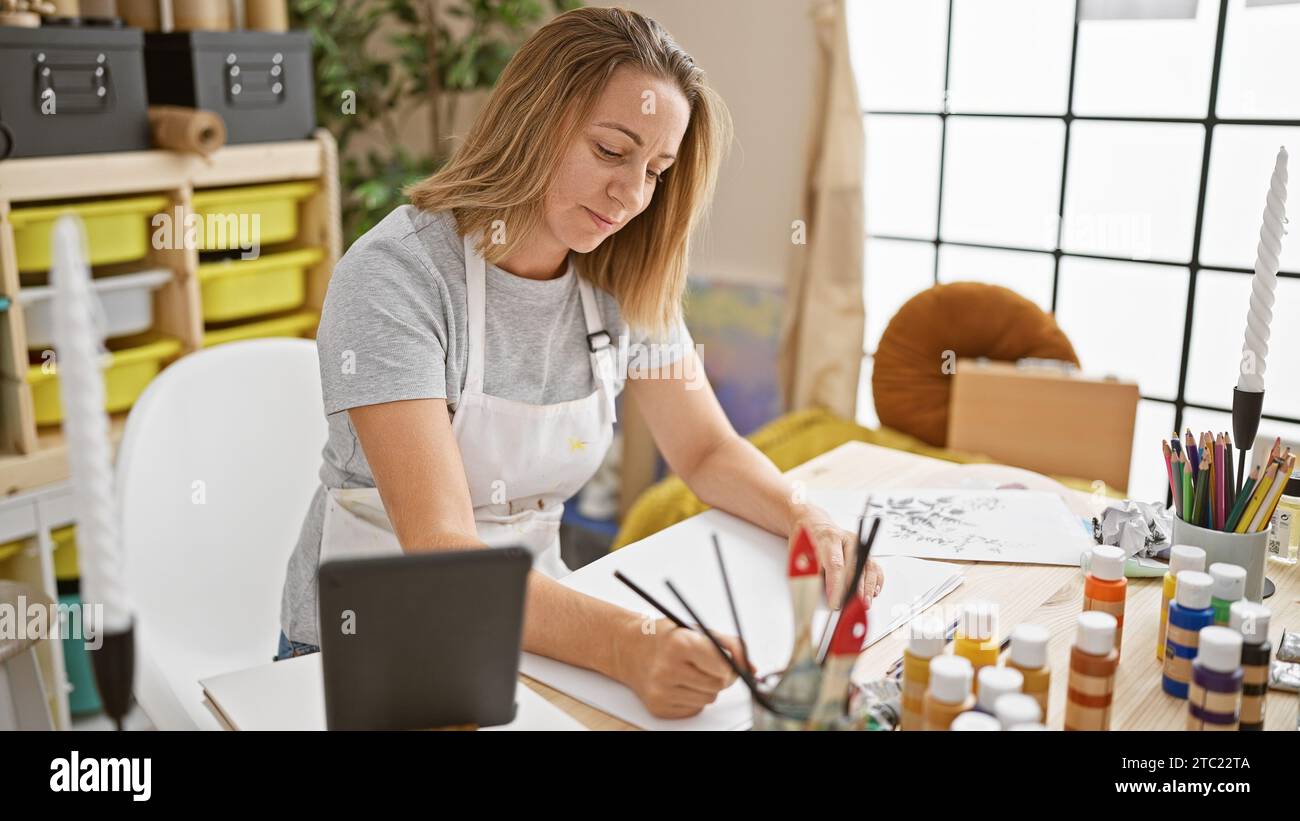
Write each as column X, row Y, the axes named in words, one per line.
column 31, row 457
column 127, row 172
column 48, row 463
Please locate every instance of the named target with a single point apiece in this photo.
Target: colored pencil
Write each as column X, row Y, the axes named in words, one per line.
column 1257, row 498
column 1187, row 489
column 1279, row 487
column 1219, row 479
column 1169, row 470
column 1229, row 488
column 1208, row 459
column 1243, row 498
column 1199, row 494
column 1269, row 501
column 1192, row 453
column 1178, row 485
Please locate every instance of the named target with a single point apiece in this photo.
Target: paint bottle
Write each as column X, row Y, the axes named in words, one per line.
column 925, row 643
column 1181, row 557
column 1189, row 612
column 1105, row 588
column 1229, row 586
column 1016, row 709
column 949, row 694
column 1251, row 621
column 976, row 639
column 1214, row 699
column 1093, row 660
column 975, row 720
column 992, row 683
column 1029, row 656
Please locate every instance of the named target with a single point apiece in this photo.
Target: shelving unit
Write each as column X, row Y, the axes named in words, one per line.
column 30, row 456
column 35, row 497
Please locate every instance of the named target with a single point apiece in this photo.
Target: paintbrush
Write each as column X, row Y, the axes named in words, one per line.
column 741, row 673
column 842, row 654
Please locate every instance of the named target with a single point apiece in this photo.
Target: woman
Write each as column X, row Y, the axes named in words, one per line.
column 466, row 357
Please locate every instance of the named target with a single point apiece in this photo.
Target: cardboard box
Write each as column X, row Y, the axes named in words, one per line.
column 1044, row 419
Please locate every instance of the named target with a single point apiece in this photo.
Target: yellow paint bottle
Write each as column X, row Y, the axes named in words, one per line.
column 976, row 639
column 925, row 643
column 1029, row 655
column 1181, row 557
column 949, row 694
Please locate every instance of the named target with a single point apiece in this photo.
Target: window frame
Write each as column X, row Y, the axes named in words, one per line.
column 1193, row 266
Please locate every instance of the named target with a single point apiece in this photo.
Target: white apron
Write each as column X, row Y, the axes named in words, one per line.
column 521, row 461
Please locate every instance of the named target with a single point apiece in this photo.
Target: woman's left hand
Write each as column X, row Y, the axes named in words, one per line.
column 836, row 553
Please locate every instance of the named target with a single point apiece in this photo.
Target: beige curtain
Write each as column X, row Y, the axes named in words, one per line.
column 821, row 351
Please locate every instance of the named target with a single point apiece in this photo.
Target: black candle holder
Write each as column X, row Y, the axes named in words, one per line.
column 1247, row 409
column 114, row 667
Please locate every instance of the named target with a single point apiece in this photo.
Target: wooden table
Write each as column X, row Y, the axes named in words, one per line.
column 1047, row 595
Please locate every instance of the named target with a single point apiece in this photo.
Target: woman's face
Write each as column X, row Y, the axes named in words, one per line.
column 610, row 172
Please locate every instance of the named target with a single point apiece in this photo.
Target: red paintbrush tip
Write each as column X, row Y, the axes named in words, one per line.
column 803, row 559
column 851, row 630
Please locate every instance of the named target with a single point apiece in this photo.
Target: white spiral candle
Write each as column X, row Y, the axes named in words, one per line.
column 1264, row 283
column 78, row 347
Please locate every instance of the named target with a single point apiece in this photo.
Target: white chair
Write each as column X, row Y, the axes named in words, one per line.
column 216, row 469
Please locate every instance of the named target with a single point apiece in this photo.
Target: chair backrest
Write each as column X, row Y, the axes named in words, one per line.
column 216, row 468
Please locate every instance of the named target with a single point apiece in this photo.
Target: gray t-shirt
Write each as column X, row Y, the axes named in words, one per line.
column 393, row 327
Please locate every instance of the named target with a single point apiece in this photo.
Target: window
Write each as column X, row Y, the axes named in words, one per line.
column 1101, row 168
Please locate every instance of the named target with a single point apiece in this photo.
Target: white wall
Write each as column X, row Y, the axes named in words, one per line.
column 760, row 56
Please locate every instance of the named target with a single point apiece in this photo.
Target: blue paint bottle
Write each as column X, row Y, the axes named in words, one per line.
column 1190, row 611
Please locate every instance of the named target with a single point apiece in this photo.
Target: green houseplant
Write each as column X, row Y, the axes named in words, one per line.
column 374, row 57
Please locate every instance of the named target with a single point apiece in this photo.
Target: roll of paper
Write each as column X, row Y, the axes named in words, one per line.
column 200, row 15
column 186, row 129
column 99, row 9
column 266, row 15
column 140, row 14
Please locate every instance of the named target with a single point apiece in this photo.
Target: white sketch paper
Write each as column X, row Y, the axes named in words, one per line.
column 1015, row 526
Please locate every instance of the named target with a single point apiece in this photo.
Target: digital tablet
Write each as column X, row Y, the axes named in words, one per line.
column 422, row 640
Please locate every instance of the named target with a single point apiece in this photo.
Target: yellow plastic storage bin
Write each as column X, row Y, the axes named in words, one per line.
column 239, row 217
column 65, row 553
column 293, row 325
column 126, row 374
column 116, row 230
column 10, row 549
column 239, row 288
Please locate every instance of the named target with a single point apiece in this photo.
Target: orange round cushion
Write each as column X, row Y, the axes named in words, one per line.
column 970, row 319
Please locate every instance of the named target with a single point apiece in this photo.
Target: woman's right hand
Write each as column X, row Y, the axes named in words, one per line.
column 675, row 672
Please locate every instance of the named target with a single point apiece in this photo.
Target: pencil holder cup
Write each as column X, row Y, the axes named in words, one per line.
column 1248, row 550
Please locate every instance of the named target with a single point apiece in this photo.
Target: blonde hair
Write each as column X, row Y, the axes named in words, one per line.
column 540, row 104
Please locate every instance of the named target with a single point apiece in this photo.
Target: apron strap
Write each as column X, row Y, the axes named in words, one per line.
column 475, row 298
column 600, row 345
